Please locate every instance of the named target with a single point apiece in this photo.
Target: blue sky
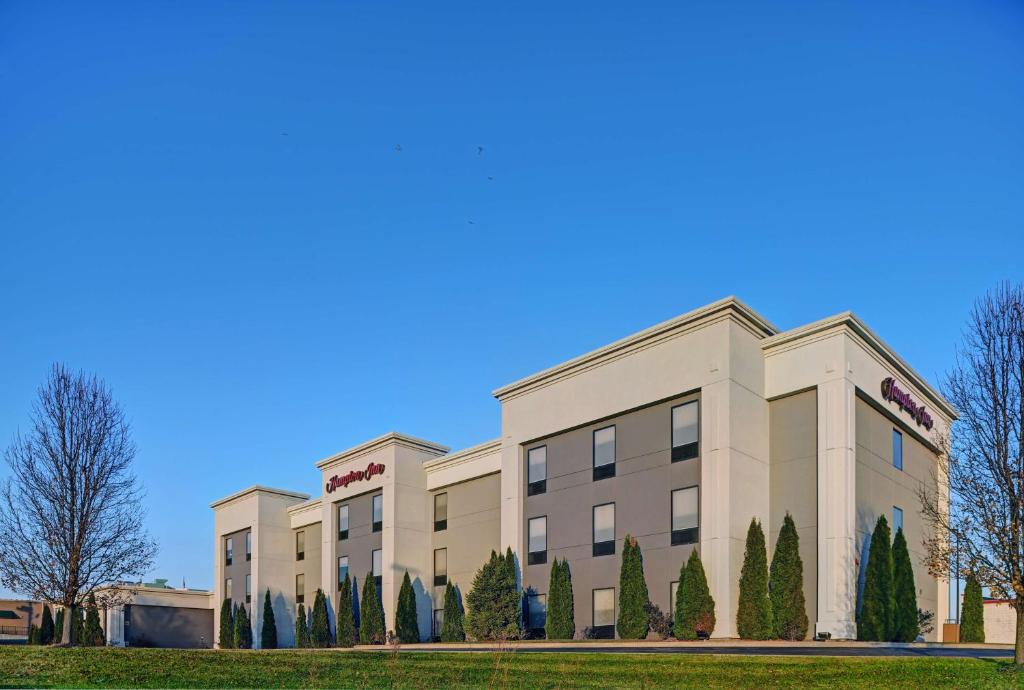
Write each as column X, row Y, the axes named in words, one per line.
column 206, row 204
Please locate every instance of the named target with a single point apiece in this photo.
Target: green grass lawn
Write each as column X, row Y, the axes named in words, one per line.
column 37, row 667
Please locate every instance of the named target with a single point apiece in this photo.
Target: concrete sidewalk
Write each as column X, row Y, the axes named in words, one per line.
column 738, row 647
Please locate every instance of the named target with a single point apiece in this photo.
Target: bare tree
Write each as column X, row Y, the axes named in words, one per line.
column 981, row 468
column 71, row 512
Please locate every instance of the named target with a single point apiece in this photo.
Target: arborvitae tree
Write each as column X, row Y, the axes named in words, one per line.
column 494, row 606
column 786, row 585
column 301, row 629
column 77, row 627
column 754, row 612
column 972, row 622
column 407, row 627
column 345, row 622
column 560, row 624
column 452, row 625
column 227, row 625
column 371, row 614
column 904, row 618
column 268, row 633
column 46, row 627
column 695, row 609
column 93, row 631
column 876, row 610
column 243, row 628
column 633, row 596
column 58, row 626
column 319, row 627
column 33, row 634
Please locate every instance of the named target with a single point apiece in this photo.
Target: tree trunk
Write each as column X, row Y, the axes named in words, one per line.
column 65, row 635
column 1018, row 647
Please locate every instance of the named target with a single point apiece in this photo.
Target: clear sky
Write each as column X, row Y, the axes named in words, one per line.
column 280, row 229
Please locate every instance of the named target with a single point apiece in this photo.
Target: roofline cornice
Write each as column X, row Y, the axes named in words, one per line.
column 257, row 488
column 391, row 438
column 851, row 323
column 462, row 457
column 729, row 307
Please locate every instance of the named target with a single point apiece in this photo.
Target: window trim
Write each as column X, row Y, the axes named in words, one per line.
column 300, row 555
column 607, row 470
column 681, row 539
column 248, row 546
column 435, row 624
column 537, row 557
column 441, row 580
column 248, row 588
column 343, row 533
column 602, row 548
column 683, row 454
column 541, row 485
column 300, row 598
column 441, row 525
column 672, row 599
column 377, row 579
column 536, row 630
column 229, row 588
column 229, row 551
column 896, row 509
column 378, row 525
column 341, row 580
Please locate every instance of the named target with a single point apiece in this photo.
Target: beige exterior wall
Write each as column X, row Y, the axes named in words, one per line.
column 881, row 487
column 794, row 482
column 311, row 565
column 473, row 531
column 1000, row 622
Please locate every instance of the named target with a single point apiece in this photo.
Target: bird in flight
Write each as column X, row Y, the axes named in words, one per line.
column 284, row 134
column 471, row 222
column 398, row 147
column 479, row 150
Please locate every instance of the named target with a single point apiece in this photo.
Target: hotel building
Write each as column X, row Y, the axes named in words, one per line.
column 677, row 435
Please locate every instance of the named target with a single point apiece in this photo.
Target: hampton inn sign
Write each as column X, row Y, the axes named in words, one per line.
column 893, row 393
column 372, row 470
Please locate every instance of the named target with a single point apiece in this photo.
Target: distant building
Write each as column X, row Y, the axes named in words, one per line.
column 1000, row 621
column 160, row 616
column 16, row 615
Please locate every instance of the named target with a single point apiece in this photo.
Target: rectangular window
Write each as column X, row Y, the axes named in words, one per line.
column 342, row 522
column 440, row 512
column 342, row 570
column 685, row 516
column 604, row 453
column 227, row 589
column 300, row 546
column 536, row 612
column 229, row 551
column 248, row 546
column 378, row 512
column 300, row 588
column 438, row 622
column 897, row 518
column 604, row 613
column 538, row 541
column 673, row 588
column 604, row 530
column 897, row 449
column 440, row 567
column 537, row 471
column 248, row 588
column 376, row 560
column 685, row 431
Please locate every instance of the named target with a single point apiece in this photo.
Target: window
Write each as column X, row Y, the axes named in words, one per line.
column 440, row 567
column 342, row 570
column 227, row 589
column 673, row 588
column 438, row 622
column 685, row 516
column 604, row 613
column 300, row 546
column 248, row 546
column 440, row 512
column 897, row 518
column 604, row 530
column 378, row 512
column 537, row 471
column 376, row 556
column 538, row 541
column 300, row 588
column 604, row 453
column 229, row 551
column 536, row 611
column 248, row 588
column 342, row 522
column 897, row 449
column 685, row 431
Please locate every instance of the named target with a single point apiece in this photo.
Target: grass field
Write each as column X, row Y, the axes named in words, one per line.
column 36, row 667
